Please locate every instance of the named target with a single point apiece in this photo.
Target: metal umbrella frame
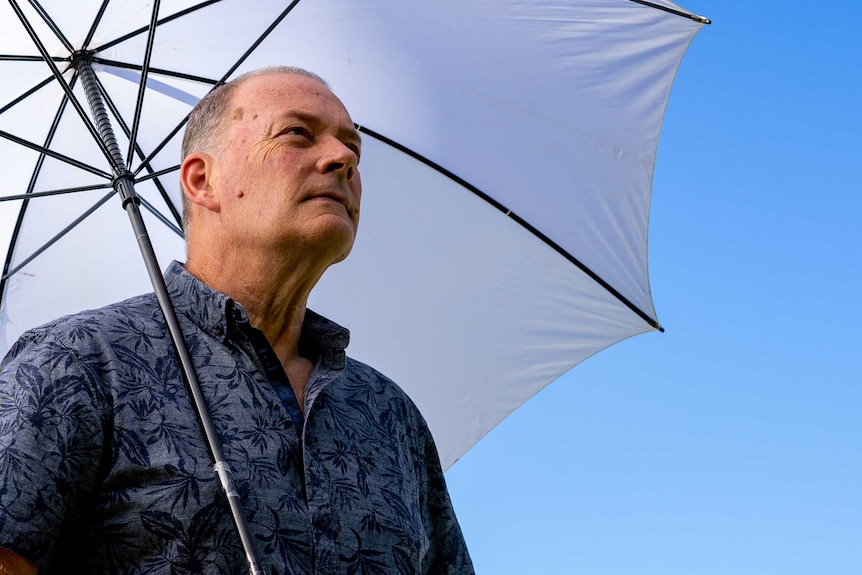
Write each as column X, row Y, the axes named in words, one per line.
column 75, row 67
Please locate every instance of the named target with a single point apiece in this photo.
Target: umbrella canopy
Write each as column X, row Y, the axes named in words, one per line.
column 507, row 165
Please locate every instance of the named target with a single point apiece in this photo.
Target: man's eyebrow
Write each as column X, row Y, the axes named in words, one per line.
column 351, row 133
column 299, row 115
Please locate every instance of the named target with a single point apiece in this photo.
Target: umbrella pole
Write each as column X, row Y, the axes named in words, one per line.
column 125, row 186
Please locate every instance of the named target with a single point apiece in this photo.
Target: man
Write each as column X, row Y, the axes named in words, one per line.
column 102, row 466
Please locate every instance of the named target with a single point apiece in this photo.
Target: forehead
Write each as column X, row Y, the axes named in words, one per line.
column 273, row 95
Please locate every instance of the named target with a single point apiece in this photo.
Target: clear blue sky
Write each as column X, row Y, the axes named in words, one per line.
column 732, row 443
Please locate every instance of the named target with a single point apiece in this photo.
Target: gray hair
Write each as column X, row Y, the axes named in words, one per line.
column 208, row 119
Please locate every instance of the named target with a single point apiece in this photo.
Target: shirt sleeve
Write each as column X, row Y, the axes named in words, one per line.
column 51, row 431
column 447, row 552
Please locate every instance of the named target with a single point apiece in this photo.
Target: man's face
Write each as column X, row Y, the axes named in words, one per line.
column 287, row 172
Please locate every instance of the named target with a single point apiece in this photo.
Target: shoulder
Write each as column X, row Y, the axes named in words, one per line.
column 394, row 407
column 75, row 352
column 362, row 374
column 87, row 331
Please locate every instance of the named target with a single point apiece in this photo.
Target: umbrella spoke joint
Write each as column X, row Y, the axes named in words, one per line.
column 79, row 56
column 124, row 183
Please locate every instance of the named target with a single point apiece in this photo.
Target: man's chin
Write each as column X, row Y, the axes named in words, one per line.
column 338, row 236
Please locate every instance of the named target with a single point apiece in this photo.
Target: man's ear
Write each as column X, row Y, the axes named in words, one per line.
column 196, row 178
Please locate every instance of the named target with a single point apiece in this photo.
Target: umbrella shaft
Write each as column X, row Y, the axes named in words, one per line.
column 100, row 113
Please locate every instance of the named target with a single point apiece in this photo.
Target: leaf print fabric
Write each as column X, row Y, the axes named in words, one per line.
column 103, row 468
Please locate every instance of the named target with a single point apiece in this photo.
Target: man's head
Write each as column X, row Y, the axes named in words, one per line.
column 272, row 157
column 207, row 120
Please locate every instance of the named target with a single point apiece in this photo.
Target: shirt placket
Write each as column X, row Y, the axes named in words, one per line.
column 264, row 361
column 318, row 484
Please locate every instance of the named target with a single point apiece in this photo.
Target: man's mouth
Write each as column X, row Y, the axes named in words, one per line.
column 333, row 196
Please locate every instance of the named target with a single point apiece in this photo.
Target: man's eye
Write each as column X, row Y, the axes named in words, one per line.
column 298, row 131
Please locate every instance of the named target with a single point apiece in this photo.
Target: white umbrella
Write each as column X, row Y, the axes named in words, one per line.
column 507, row 166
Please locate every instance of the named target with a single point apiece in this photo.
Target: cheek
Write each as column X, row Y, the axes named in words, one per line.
column 357, row 199
column 356, row 187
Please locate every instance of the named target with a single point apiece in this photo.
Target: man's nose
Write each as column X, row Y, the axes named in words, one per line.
column 340, row 157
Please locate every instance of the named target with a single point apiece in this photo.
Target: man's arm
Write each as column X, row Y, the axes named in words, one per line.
column 447, row 554
column 50, row 448
column 13, row 564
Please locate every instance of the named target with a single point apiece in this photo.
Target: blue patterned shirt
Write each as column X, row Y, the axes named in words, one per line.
column 103, row 468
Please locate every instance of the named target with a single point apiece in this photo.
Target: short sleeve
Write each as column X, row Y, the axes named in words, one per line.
column 51, row 435
column 447, row 553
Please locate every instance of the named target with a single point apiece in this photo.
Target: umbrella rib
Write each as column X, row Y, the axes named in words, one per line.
column 142, row 85
column 55, row 155
column 27, row 94
column 521, row 221
column 52, row 25
column 159, row 71
column 96, row 21
column 26, row 58
column 694, row 17
column 52, row 131
column 37, row 169
column 258, row 42
column 164, row 20
column 62, row 82
column 161, row 217
column 227, row 75
column 31, row 195
column 59, row 236
column 125, row 127
column 158, row 174
column 161, row 188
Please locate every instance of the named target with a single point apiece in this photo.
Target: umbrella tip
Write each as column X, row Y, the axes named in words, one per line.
column 653, row 324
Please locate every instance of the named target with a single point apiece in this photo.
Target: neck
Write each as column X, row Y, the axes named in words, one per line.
column 273, row 292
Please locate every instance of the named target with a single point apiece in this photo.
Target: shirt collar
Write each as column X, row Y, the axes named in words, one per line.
column 216, row 314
